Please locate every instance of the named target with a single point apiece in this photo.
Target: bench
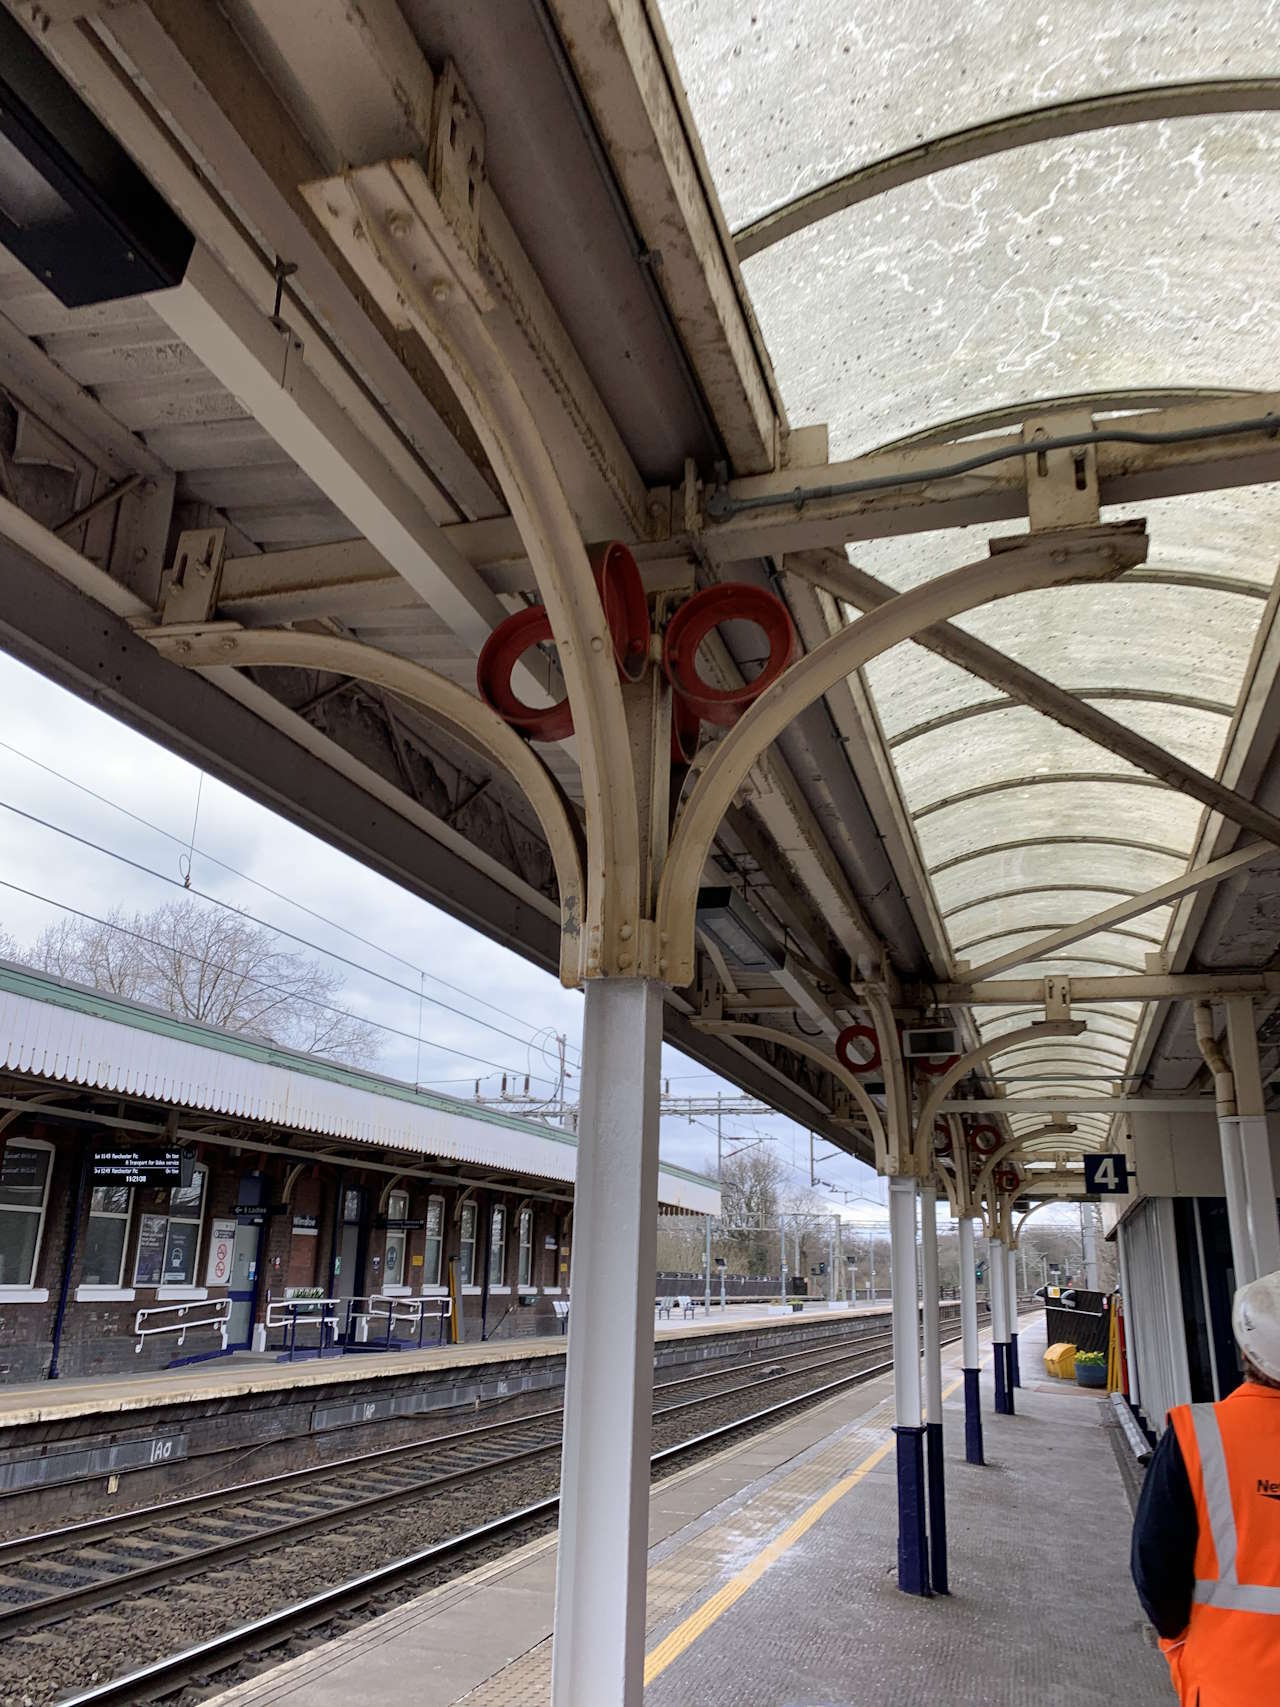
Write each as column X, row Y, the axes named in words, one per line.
column 686, row 1307
column 665, row 1307
column 561, row 1308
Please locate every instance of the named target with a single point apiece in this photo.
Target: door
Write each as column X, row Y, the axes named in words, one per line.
column 244, row 1284
column 348, row 1248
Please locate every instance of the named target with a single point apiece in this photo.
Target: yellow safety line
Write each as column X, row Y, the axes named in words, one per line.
column 697, row 1623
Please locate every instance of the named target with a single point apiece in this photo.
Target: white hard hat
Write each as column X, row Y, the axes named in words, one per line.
column 1255, row 1321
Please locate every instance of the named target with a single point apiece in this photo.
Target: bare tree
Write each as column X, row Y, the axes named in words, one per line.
column 9, row 949
column 208, row 964
column 750, row 1200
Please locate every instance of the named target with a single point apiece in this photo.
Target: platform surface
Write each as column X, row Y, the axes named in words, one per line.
column 257, row 1372
column 772, row 1581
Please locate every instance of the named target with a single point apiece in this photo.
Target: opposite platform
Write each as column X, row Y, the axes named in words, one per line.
column 772, row 1579
column 246, row 1373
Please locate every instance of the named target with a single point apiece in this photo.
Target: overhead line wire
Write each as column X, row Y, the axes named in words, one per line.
column 257, row 983
column 289, row 900
column 243, row 913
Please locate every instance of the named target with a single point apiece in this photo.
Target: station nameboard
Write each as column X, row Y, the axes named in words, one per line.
column 145, row 1167
column 1106, row 1175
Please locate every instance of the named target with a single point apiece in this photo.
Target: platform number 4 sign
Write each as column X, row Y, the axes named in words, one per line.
column 1106, row 1175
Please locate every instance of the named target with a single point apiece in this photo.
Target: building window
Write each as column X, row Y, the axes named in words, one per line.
column 169, row 1237
column 467, row 1245
column 106, row 1236
column 435, row 1241
column 526, row 1247
column 497, row 1246
column 24, row 1191
column 397, row 1237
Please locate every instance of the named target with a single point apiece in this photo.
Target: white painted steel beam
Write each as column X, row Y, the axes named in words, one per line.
column 598, row 1645
column 923, row 488
column 1123, row 987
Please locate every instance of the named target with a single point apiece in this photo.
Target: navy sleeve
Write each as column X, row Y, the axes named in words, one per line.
column 1165, row 1531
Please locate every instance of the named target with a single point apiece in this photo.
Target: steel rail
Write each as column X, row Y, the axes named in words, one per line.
column 20, row 1547
column 162, row 1677
column 54, row 1608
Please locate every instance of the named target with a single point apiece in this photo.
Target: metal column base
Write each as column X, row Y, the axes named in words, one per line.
column 1015, row 1379
column 1010, row 1367
column 913, row 1545
column 1000, row 1370
column 937, row 1508
column 972, row 1419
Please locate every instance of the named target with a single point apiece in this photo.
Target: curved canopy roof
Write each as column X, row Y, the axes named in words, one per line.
column 948, row 222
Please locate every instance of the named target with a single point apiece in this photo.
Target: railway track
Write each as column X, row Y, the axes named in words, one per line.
column 83, row 1568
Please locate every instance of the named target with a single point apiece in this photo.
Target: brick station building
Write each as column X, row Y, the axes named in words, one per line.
column 148, row 1164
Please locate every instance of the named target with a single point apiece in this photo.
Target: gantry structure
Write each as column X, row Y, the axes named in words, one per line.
column 417, row 414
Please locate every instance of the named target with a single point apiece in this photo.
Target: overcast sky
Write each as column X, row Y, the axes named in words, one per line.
column 145, row 811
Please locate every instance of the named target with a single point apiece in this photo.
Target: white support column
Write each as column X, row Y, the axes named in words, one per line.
column 913, row 1564
column 969, row 1343
column 598, row 1649
column 1011, row 1276
column 1089, row 1238
column 1237, row 1200
column 997, row 1292
column 1127, row 1300
column 929, row 1286
column 1251, row 1125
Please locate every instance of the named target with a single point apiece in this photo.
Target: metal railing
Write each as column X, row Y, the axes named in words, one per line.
column 217, row 1314
column 380, row 1321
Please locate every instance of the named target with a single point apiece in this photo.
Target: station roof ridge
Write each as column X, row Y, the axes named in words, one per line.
column 33, row 1041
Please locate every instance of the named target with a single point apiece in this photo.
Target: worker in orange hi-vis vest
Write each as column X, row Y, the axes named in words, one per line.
column 1206, row 1538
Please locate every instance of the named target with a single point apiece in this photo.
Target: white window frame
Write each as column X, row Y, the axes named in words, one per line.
column 179, row 1287
column 467, row 1244
column 29, row 1284
column 110, row 1215
column 436, row 1238
column 524, row 1273
column 497, row 1246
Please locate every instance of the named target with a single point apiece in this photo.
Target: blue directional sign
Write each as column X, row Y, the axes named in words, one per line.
column 1106, row 1175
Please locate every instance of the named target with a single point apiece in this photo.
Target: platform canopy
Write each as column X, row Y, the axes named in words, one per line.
column 948, row 225
column 830, row 300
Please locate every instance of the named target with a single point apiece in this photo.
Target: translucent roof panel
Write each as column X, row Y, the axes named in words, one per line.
column 1039, row 910
column 788, row 94
column 1054, row 808
column 1107, row 265
column 1118, row 260
column 1064, row 857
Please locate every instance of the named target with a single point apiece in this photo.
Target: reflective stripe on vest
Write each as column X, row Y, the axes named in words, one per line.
column 1226, row 1590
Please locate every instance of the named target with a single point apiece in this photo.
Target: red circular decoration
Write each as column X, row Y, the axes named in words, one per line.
column 846, row 1037
column 689, row 627
column 978, row 1134
column 1006, row 1179
column 498, row 658
column 941, row 1138
column 626, row 609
